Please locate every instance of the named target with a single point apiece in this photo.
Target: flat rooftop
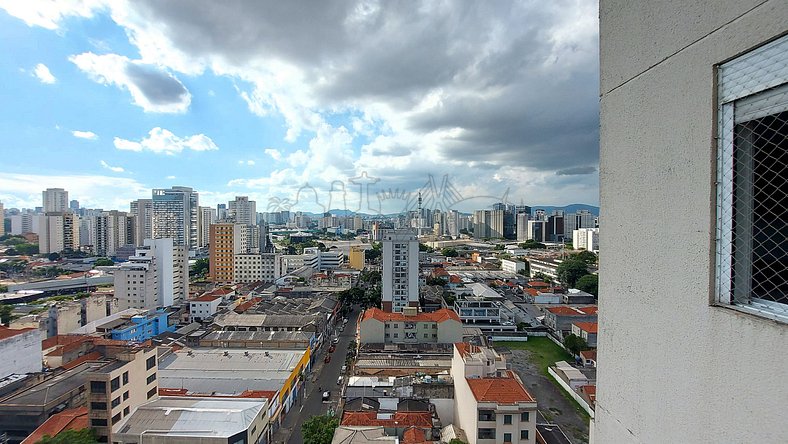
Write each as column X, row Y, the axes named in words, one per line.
column 53, row 388
column 227, row 371
column 192, row 417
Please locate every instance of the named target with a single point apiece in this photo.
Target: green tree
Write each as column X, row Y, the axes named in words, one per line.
column 27, row 249
column 450, row 298
column 5, row 314
column 436, row 281
column 425, row 247
column 200, row 268
column 531, row 244
column 575, row 344
column 589, row 283
column 457, row 441
column 103, row 262
column 82, row 436
column 449, row 252
column 570, row 270
column 53, row 257
column 319, row 429
column 587, row 257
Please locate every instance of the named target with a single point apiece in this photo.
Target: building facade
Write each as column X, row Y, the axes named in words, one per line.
column 142, row 211
column 400, row 270
column 697, row 72
column 410, row 327
column 55, row 200
column 175, row 216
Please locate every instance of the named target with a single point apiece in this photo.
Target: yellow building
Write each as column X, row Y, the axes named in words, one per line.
column 357, row 258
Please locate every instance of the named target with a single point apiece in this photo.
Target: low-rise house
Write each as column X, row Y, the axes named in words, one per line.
column 588, row 357
column 560, row 319
column 204, row 307
column 410, row 327
column 492, row 405
column 587, row 331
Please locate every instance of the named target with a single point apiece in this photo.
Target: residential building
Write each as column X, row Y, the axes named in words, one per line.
column 207, row 420
column 23, row 223
column 410, row 327
column 207, row 216
column 579, row 219
column 156, row 276
column 21, row 351
column 221, row 212
column 141, row 327
column 58, row 232
column 204, row 307
column 700, row 351
column 586, row 331
column 242, row 210
column 478, row 311
column 512, row 266
column 2, row 220
column 55, row 200
column 226, row 241
column 560, row 319
column 253, row 267
column 522, row 226
column 142, row 210
column 537, row 231
column 555, row 227
column 112, row 229
column 175, row 216
column 118, row 388
column 356, row 258
column 491, row 403
column 586, row 239
column 400, row 270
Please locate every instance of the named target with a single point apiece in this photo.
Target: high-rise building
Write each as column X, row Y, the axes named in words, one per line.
column 2, row 219
column 74, row 205
column 221, row 213
column 242, row 210
column 537, row 230
column 142, row 210
column 356, row 258
column 577, row 220
column 555, row 227
column 207, row 217
column 586, row 239
column 113, row 229
column 175, row 214
column 481, row 224
column 522, row 227
column 400, row 270
column 156, row 276
column 23, row 223
column 58, row 232
column 55, row 200
column 228, row 240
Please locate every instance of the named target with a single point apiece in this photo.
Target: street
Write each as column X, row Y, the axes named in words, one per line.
column 324, row 376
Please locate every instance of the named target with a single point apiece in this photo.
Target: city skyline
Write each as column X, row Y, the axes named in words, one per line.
column 131, row 107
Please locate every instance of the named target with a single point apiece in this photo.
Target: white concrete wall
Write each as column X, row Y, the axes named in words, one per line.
column 673, row 369
column 21, row 354
column 466, row 413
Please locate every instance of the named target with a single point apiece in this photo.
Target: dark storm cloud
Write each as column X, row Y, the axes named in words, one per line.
column 158, row 87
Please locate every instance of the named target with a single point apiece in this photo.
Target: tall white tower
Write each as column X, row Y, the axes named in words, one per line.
column 400, row 270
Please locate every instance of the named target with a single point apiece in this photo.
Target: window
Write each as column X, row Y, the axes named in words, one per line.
column 486, row 415
column 116, row 402
column 125, row 378
column 523, row 434
column 98, row 406
column 126, row 411
column 98, row 387
column 125, row 396
column 151, row 378
column 486, row 434
column 752, row 182
column 116, row 418
column 150, row 363
column 507, row 419
column 507, row 437
column 152, row 392
column 525, row 416
column 98, row 422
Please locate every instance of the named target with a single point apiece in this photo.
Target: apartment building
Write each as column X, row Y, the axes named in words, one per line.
column 156, row 276
column 248, row 268
column 560, row 319
column 693, row 118
column 356, row 257
column 55, row 200
column 242, row 210
column 115, row 390
column 58, row 232
column 586, row 239
column 112, row 229
column 175, row 215
column 491, row 404
column 227, row 241
column 410, row 327
column 400, row 270
column 142, row 211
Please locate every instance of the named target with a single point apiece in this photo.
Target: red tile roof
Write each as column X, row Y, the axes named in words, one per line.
column 466, row 349
column 454, row 279
column 503, row 390
column 207, row 298
column 399, row 419
column 92, row 356
column 589, row 327
column 72, row 419
column 588, row 354
column 563, row 310
column 247, row 305
column 413, row 435
column 6, row 332
column 538, row 284
column 444, row 314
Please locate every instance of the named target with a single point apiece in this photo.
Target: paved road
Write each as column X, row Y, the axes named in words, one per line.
column 324, row 376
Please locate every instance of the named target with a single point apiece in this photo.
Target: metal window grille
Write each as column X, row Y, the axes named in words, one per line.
column 752, row 181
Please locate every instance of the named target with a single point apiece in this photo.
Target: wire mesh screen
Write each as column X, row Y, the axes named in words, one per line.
column 752, row 170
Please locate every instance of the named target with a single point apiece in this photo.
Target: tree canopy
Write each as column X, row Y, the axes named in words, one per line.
column 570, row 270
column 589, row 283
column 319, row 429
column 103, row 262
column 575, row 344
column 200, row 268
column 587, row 257
column 82, row 436
column 531, row 244
column 449, row 252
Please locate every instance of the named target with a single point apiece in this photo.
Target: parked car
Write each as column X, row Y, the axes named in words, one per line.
column 343, row 369
column 335, row 341
column 328, row 359
column 326, row 396
column 332, row 348
column 339, row 381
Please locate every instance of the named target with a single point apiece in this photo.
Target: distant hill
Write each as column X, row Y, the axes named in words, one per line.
column 572, row 208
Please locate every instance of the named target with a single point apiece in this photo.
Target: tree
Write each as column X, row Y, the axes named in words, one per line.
column 425, row 247
column 575, row 344
column 5, row 314
column 570, row 270
column 436, row 281
column 450, row 298
column 589, row 283
column 457, row 441
column 103, row 262
column 449, row 252
column 82, row 436
column 499, row 247
column 464, row 231
column 26, row 249
column 531, row 244
column 319, row 429
column 53, row 257
column 587, row 257
column 200, row 268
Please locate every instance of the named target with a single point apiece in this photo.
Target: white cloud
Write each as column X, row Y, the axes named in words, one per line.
column 162, row 141
column 115, row 169
column 151, row 88
column 90, row 135
column 42, row 73
column 170, row 178
column 93, row 191
column 274, row 153
column 47, row 13
column 246, row 162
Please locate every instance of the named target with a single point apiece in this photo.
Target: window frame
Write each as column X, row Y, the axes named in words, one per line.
column 728, row 94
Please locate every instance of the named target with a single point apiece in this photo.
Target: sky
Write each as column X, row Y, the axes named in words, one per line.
column 295, row 103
